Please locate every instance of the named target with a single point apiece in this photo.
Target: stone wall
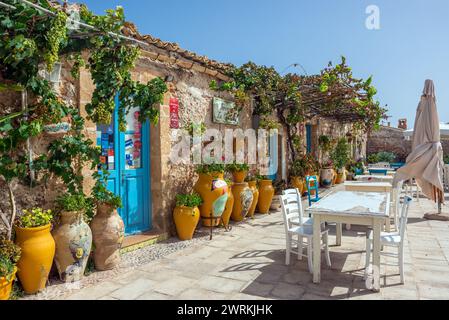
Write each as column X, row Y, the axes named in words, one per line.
column 391, row 140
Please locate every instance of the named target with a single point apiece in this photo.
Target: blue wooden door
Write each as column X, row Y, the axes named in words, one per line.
column 126, row 155
column 309, row 138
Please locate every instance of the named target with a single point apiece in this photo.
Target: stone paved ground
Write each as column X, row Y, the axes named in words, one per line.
column 248, row 263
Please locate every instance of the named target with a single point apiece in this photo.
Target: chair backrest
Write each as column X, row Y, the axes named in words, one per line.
column 397, row 191
column 404, row 216
column 290, row 211
column 315, row 187
column 293, row 197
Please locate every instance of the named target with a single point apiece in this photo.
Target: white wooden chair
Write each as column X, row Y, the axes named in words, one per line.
column 397, row 192
column 290, row 212
column 411, row 187
column 294, row 197
column 391, row 239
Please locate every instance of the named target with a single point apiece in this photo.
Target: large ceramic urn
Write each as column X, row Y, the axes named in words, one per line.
column 214, row 191
column 228, row 209
column 73, row 239
column 253, row 186
column 38, row 250
column 108, row 232
column 327, row 176
column 266, row 193
column 243, row 198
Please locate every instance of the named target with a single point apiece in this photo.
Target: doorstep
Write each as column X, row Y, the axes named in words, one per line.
column 138, row 241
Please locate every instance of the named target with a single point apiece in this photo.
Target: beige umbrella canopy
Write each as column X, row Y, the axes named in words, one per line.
column 425, row 163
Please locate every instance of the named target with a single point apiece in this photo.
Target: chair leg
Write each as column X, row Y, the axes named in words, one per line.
column 326, row 249
column 288, row 248
column 310, row 255
column 368, row 256
column 401, row 263
column 299, row 248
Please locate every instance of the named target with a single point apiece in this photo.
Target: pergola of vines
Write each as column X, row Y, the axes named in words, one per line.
column 333, row 94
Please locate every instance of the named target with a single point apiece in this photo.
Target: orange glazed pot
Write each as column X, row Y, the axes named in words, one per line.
column 266, row 193
column 239, row 176
column 214, row 192
column 298, row 183
column 228, row 209
column 253, row 186
column 186, row 220
column 38, row 251
column 6, row 285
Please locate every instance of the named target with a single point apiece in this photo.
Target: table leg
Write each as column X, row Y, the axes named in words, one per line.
column 316, row 249
column 377, row 225
column 338, row 234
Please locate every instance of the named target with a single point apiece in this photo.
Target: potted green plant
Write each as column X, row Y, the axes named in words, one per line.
column 186, row 214
column 73, row 237
column 9, row 256
column 33, row 237
column 340, row 157
column 238, row 170
column 108, row 229
column 297, row 174
column 327, row 174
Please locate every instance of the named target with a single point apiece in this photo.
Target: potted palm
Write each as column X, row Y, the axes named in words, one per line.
column 9, row 256
column 340, row 157
column 186, row 214
column 38, row 248
column 73, row 237
column 108, row 229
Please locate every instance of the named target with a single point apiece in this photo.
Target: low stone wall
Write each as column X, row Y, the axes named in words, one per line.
column 391, row 140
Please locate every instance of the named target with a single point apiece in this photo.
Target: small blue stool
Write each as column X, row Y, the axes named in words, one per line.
column 314, row 179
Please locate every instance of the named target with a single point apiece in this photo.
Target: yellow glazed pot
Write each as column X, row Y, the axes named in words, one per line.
column 214, row 192
column 266, row 193
column 239, row 176
column 186, row 220
column 253, row 186
column 228, row 209
column 298, row 183
column 38, row 251
column 334, row 179
column 341, row 177
column 243, row 198
column 6, row 285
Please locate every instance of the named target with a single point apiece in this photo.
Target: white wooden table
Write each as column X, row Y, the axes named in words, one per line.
column 374, row 178
column 361, row 208
column 366, row 186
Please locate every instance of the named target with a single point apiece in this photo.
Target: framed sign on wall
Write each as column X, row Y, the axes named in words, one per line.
column 225, row 112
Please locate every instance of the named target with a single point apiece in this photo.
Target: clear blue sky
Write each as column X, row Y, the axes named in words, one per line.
column 412, row 44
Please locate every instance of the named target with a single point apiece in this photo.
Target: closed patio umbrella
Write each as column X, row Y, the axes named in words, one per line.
column 425, row 163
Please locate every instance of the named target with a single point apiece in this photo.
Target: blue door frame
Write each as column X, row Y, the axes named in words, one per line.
column 309, row 138
column 128, row 178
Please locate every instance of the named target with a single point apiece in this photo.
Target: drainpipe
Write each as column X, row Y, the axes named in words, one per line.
column 29, row 149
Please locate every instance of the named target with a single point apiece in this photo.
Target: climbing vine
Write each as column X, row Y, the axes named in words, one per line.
column 32, row 41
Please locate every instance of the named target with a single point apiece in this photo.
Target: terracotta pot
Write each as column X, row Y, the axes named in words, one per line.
column 326, row 177
column 243, row 198
column 6, row 285
column 38, row 251
column 108, row 232
column 298, row 183
column 253, row 186
column 73, row 239
column 341, row 177
column 266, row 193
column 214, row 192
column 239, row 176
column 228, row 209
column 186, row 220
